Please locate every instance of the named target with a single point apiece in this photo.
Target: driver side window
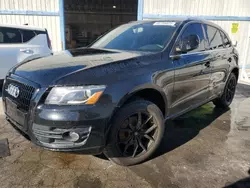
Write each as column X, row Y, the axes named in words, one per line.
column 191, row 40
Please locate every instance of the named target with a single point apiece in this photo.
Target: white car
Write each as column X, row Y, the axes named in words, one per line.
column 21, row 43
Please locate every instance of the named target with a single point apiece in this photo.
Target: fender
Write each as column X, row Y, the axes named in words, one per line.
column 231, row 70
column 132, row 93
column 141, row 88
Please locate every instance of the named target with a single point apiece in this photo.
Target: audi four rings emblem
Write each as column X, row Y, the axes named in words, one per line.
column 13, row 90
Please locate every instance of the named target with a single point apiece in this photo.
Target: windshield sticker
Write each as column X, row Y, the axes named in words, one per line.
column 165, row 23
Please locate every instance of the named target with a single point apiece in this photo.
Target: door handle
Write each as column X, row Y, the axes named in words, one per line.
column 207, row 64
column 27, row 51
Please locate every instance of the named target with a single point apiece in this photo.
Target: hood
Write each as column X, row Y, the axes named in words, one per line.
column 46, row 71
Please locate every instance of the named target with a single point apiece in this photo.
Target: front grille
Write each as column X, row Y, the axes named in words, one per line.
column 25, row 94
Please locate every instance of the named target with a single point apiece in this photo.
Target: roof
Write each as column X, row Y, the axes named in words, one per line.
column 181, row 20
column 187, row 19
column 28, row 27
column 159, row 20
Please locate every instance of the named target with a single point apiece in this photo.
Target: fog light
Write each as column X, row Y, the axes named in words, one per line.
column 71, row 136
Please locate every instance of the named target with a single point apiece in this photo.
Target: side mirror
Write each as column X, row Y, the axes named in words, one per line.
column 178, row 50
column 175, row 57
column 190, row 43
column 234, row 43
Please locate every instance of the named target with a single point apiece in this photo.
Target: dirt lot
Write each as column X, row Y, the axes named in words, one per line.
column 204, row 148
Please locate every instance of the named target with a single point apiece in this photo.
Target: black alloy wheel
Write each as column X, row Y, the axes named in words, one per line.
column 227, row 97
column 138, row 132
column 230, row 90
column 135, row 134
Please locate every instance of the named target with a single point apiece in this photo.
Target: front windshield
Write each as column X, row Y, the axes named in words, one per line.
column 151, row 36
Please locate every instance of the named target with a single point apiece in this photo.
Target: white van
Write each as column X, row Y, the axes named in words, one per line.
column 20, row 43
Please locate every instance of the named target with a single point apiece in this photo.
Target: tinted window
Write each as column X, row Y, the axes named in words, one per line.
column 10, row 35
column 152, row 36
column 1, row 36
column 28, row 35
column 193, row 33
column 40, row 32
column 214, row 37
column 225, row 40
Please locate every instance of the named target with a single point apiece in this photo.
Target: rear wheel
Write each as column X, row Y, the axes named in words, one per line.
column 227, row 97
column 136, row 133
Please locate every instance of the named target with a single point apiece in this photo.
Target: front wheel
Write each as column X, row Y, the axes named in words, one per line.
column 136, row 132
column 227, row 97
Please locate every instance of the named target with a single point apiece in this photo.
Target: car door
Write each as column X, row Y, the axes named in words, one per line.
column 221, row 49
column 17, row 45
column 192, row 69
column 35, row 44
column 10, row 43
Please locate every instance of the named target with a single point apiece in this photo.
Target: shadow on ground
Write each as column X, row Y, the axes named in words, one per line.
column 186, row 127
column 244, row 183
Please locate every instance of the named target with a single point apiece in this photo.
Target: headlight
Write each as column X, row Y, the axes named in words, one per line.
column 74, row 95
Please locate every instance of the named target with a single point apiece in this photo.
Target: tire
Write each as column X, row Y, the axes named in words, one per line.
column 1, row 87
column 129, row 142
column 229, row 91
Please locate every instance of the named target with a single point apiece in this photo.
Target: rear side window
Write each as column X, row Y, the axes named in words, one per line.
column 40, row 32
column 225, row 40
column 214, row 37
column 45, row 33
column 28, row 35
column 10, row 36
column 1, row 37
column 193, row 33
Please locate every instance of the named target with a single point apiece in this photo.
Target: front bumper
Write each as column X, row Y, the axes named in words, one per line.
column 52, row 126
column 54, row 134
column 80, row 128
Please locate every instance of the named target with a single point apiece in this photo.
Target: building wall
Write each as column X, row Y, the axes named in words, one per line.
column 198, row 7
column 40, row 13
column 222, row 12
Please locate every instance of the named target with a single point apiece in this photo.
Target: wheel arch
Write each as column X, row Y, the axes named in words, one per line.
column 148, row 92
column 139, row 91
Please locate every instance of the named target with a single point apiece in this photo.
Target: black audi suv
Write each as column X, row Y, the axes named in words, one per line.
column 114, row 96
